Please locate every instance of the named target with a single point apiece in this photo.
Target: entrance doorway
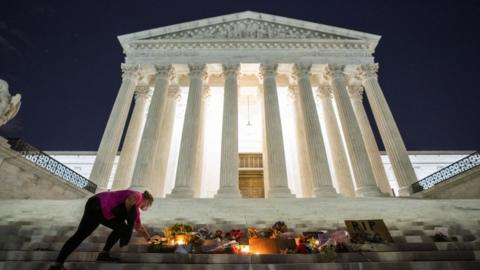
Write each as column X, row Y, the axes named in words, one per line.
column 251, row 184
column 250, row 173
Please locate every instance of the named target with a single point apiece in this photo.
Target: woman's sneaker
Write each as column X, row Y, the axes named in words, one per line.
column 105, row 257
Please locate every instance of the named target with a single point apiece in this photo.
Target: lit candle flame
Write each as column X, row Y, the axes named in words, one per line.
column 245, row 249
column 180, row 242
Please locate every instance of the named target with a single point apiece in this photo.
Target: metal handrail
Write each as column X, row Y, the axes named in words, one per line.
column 454, row 169
column 41, row 159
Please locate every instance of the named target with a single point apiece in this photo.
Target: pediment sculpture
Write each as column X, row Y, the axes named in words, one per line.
column 9, row 105
column 248, row 29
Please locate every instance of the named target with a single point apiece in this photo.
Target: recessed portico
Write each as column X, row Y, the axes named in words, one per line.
column 246, row 83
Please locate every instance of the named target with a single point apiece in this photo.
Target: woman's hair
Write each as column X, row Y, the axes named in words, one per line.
column 147, row 196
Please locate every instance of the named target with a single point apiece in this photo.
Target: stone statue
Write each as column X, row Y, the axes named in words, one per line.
column 9, row 105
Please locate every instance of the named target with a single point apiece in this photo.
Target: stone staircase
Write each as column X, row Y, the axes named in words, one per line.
column 32, row 233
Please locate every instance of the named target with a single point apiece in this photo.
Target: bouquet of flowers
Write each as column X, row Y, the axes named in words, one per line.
column 280, row 227
column 178, row 233
column 234, row 235
column 158, row 244
column 181, row 229
column 266, row 233
column 253, row 232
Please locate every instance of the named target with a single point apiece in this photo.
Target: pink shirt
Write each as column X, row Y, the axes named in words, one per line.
column 111, row 199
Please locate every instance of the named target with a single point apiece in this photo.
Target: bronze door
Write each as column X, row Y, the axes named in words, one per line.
column 251, row 184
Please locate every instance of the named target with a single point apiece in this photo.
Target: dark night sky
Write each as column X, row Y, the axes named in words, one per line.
column 64, row 58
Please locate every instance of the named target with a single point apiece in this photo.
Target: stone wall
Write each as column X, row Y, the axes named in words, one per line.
column 21, row 179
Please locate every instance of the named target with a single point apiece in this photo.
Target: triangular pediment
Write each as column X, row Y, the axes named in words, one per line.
column 249, row 29
column 248, row 26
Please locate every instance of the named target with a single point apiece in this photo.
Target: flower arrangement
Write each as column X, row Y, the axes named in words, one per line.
column 180, row 238
column 253, row 232
column 234, row 235
column 178, row 234
column 181, row 229
column 266, row 233
column 158, row 244
column 278, row 228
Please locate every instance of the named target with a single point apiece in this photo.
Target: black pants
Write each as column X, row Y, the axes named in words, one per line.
column 92, row 217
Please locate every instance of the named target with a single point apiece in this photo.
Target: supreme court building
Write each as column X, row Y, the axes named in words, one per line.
column 251, row 105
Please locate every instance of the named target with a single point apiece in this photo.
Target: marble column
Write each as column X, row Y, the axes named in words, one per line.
column 266, row 177
column 277, row 169
column 200, row 159
column 317, row 155
column 102, row 167
column 338, row 157
column 397, row 153
column 229, row 148
column 144, row 166
column 362, row 170
column 187, row 159
column 303, row 164
column 157, row 182
column 356, row 96
column 128, row 155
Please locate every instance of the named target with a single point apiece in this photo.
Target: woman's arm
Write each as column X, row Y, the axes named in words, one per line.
column 130, row 202
column 142, row 231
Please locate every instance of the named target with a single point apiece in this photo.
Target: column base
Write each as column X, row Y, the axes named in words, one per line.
column 228, row 192
column 368, row 191
column 181, row 192
column 283, row 192
column 325, row 192
column 405, row 191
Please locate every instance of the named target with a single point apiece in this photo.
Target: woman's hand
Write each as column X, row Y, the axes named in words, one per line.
column 141, row 230
column 154, row 239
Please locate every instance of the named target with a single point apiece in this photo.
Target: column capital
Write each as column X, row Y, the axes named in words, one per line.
column 198, row 70
column 131, row 71
column 174, row 91
column 164, row 70
column 333, row 71
column 324, row 91
column 367, row 71
column 143, row 91
column 301, row 70
column 355, row 91
column 293, row 91
column 268, row 70
column 231, row 69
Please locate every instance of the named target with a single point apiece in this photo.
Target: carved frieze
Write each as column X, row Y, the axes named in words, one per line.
column 249, row 29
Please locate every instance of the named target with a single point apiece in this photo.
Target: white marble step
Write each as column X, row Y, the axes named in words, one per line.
column 317, row 212
column 142, row 247
column 128, row 257
column 433, row 265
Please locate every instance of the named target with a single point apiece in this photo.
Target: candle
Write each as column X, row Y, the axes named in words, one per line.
column 245, row 249
column 181, row 239
column 180, row 242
